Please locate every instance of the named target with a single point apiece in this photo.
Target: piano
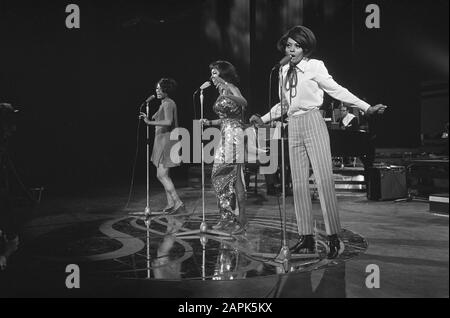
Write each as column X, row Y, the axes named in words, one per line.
column 345, row 143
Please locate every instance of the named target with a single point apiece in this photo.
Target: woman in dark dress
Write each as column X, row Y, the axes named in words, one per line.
column 165, row 120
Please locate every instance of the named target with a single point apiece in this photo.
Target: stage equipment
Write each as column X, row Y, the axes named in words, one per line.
column 386, row 183
column 423, row 173
column 439, row 203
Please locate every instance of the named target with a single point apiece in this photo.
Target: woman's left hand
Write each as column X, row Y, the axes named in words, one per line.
column 144, row 117
column 377, row 109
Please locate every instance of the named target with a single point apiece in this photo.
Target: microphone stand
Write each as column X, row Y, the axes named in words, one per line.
column 203, row 226
column 203, row 241
column 284, row 255
column 148, row 257
column 147, row 211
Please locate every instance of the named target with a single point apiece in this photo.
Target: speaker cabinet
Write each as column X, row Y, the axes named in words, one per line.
column 387, row 183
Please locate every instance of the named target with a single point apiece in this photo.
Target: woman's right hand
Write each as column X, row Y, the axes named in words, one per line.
column 144, row 117
column 206, row 122
column 256, row 120
column 219, row 83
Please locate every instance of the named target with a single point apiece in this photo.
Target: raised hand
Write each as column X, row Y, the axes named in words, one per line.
column 220, row 84
column 377, row 109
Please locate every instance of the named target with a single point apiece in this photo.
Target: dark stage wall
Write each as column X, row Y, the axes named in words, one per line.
column 79, row 91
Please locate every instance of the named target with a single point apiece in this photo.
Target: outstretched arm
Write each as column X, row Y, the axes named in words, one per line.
column 330, row 86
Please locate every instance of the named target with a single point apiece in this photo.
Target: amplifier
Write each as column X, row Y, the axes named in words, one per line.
column 386, row 183
column 439, row 203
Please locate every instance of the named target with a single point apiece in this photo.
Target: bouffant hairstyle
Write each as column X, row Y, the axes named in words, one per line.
column 227, row 71
column 168, row 85
column 303, row 36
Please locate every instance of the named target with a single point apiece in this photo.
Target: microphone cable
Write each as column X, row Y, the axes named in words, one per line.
column 193, row 103
column 133, row 172
column 270, row 95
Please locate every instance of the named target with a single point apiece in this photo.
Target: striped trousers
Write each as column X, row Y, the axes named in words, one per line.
column 309, row 141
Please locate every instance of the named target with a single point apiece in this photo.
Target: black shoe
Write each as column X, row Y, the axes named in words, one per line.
column 334, row 246
column 305, row 244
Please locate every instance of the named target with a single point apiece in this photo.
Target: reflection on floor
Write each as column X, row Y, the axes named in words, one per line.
column 120, row 254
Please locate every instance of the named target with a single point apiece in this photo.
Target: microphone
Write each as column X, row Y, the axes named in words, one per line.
column 285, row 60
column 148, row 100
column 205, row 85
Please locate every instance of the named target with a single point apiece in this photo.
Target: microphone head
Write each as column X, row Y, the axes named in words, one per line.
column 150, row 98
column 285, row 60
column 205, row 85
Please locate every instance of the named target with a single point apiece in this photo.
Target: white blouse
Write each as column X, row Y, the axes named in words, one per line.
column 313, row 80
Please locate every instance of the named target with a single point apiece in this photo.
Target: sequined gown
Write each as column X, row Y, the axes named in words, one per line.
column 229, row 155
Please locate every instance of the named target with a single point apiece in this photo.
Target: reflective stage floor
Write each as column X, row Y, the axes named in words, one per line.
column 122, row 254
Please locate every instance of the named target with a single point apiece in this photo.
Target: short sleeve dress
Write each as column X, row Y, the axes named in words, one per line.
column 162, row 143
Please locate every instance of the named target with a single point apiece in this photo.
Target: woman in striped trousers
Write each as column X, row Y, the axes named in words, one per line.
column 303, row 82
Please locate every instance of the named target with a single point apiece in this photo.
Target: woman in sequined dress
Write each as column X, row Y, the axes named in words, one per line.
column 227, row 174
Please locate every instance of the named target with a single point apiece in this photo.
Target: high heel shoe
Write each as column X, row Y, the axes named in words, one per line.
column 177, row 211
column 222, row 224
column 305, row 244
column 237, row 228
column 164, row 210
column 334, row 245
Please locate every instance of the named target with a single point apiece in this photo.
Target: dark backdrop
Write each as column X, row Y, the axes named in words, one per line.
column 79, row 91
